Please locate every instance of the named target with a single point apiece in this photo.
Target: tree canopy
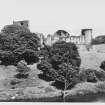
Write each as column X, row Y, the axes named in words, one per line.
column 60, row 62
column 17, row 41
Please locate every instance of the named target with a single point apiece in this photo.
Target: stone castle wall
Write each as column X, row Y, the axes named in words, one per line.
column 81, row 41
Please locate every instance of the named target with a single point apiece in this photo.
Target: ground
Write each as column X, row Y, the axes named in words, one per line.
column 29, row 88
column 34, row 88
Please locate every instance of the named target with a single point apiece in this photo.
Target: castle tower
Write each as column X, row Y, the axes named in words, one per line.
column 24, row 23
column 87, row 34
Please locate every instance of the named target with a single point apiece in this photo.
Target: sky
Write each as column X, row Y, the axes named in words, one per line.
column 48, row 16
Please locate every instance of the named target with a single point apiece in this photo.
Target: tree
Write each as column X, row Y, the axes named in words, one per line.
column 61, row 52
column 67, row 74
column 19, row 41
column 61, row 63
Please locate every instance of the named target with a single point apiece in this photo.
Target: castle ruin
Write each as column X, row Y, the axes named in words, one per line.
column 24, row 23
column 81, row 41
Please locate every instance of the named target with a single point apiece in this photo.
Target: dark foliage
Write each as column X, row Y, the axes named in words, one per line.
column 100, row 75
column 61, row 52
column 58, row 85
column 90, row 75
column 19, row 42
column 21, row 76
column 30, row 56
column 14, row 82
column 65, row 72
column 7, row 57
column 8, row 29
column 102, row 66
column 98, row 40
column 61, row 62
column 61, row 85
column 44, row 77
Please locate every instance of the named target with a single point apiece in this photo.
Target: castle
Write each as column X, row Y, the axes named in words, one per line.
column 24, row 23
column 82, row 41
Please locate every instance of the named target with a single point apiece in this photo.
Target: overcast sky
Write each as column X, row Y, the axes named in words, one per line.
column 47, row 16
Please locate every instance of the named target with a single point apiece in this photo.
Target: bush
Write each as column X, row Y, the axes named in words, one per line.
column 23, row 70
column 102, row 66
column 90, row 75
column 100, row 75
column 30, row 56
column 21, row 76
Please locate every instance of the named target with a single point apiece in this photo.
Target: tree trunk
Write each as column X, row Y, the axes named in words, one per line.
column 64, row 92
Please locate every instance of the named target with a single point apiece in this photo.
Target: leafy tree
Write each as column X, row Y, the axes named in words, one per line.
column 61, row 63
column 20, row 42
column 67, row 74
column 61, row 52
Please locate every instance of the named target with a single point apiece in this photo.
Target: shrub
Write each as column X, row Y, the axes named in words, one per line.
column 90, row 75
column 23, row 70
column 100, row 75
column 30, row 56
column 21, row 76
column 102, row 66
